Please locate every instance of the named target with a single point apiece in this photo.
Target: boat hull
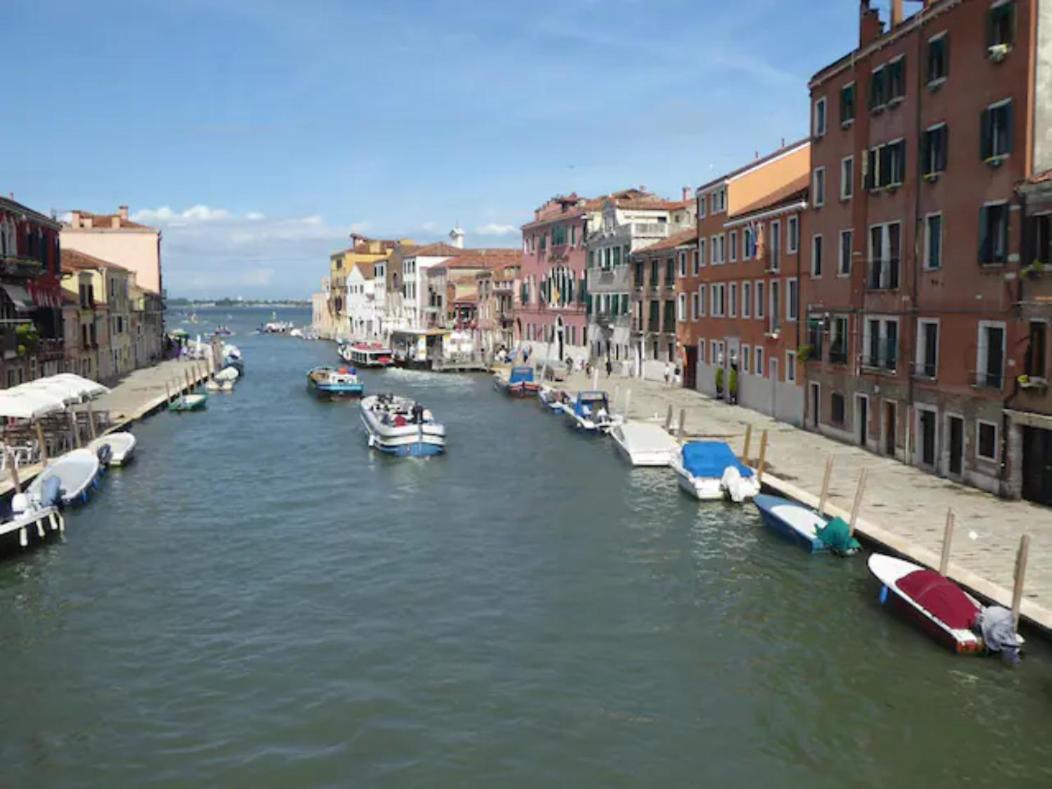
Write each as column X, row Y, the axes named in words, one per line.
column 31, row 527
column 409, row 440
column 701, row 488
column 790, row 521
column 336, row 390
column 78, row 475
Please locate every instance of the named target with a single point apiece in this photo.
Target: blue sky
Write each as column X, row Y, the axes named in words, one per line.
column 259, row 133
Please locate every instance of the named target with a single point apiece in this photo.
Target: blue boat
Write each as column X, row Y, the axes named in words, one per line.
column 804, row 527
column 590, row 412
column 331, row 382
column 519, row 383
column 709, row 471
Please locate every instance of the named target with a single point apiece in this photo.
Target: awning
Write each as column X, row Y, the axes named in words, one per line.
column 20, row 297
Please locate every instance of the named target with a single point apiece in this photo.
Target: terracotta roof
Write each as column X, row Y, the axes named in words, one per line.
column 485, row 258
column 565, row 207
column 673, row 241
column 106, row 222
column 755, row 163
column 72, row 260
column 791, row 192
column 639, row 200
column 18, row 208
column 437, row 250
column 367, row 269
column 69, row 298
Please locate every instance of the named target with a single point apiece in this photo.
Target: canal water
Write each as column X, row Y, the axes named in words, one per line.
column 260, row 600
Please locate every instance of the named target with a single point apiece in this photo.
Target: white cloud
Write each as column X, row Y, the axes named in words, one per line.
column 254, row 216
column 429, row 226
column 166, row 216
column 495, row 229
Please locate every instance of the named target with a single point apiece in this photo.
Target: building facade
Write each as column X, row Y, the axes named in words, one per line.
column 630, row 220
column 361, row 301
column 116, row 238
column 920, row 137
column 497, row 288
column 31, row 310
column 104, row 293
column 341, row 264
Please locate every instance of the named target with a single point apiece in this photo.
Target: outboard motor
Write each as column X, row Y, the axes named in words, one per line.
column 19, row 504
column 731, row 481
column 104, row 453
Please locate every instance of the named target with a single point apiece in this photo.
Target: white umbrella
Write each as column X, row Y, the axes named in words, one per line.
column 65, row 390
column 29, row 405
column 85, row 386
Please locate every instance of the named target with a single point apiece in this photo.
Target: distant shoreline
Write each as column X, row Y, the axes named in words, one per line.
column 176, row 304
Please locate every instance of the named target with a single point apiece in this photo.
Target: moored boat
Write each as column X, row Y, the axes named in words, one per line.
column 332, row 382
column 709, row 471
column 189, row 402
column 76, row 472
column 401, row 426
column 29, row 521
column 804, row 527
column 121, row 446
column 554, row 400
column 943, row 610
column 520, row 382
column 367, row 354
column 590, row 412
column 644, row 443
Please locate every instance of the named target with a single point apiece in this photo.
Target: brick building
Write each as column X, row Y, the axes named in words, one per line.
column 920, row 136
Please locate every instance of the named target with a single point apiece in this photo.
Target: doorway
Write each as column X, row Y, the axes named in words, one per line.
column 926, row 436
column 955, row 437
column 889, row 428
column 691, row 367
column 815, row 397
column 862, row 419
column 1037, row 465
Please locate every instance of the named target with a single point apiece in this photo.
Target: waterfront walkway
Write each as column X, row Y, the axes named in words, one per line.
column 138, row 394
column 903, row 507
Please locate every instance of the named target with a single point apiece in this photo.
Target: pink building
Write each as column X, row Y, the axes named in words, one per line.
column 551, row 311
column 117, row 238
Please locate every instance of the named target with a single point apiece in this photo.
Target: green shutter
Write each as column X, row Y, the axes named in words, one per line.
column 984, row 235
column 985, row 136
column 1008, row 127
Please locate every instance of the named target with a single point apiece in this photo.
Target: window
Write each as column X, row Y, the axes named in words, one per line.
column 670, row 272
column 758, row 367
column 746, row 358
column 746, row 299
column 774, row 246
column 694, row 306
column 573, row 235
column 877, row 90
column 986, row 443
column 933, row 242
column 558, row 235
column 993, row 233
column 897, row 79
column 682, row 264
column 927, row 348
column 847, row 104
column 718, row 292
column 696, row 267
column 732, row 300
column 1000, row 25
column 820, row 118
column 881, row 343
column 639, row 273
column 701, row 300
column 681, row 307
column 847, row 177
column 721, row 243
column 734, row 245
column 838, row 340
column 1036, row 350
column 991, row 355
column 933, row 149
column 748, row 244
column 816, row 256
column 792, row 231
column 790, row 366
column 885, row 165
column 884, row 256
column 819, row 187
column 847, row 240
column 713, row 256
column 703, row 202
column 775, row 322
column 759, row 313
column 938, row 59
column 996, row 131
column 836, row 408
column 615, row 256
column 701, row 252
column 792, row 299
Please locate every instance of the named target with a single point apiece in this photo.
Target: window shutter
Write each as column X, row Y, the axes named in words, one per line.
column 984, row 235
column 984, row 135
column 946, row 55
column 944, row 148
column 1008, row 127
column 990, row 27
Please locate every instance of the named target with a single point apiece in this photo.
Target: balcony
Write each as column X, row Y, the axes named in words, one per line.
column 925, row 370
column 880, row 361
column 837, row 354
column 17, row 266
column 883, row 275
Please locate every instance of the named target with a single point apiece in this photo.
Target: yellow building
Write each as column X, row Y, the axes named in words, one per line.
column 362, row 250
column 106, row 288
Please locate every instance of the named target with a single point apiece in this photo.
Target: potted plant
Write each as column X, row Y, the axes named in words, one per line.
column 28, row 337
column 732, row 386
column 719, row 383
column 1035, row 269
column 805, row 352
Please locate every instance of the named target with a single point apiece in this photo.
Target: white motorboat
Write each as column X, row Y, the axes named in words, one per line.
column 76, row 472
column 709, row 471
column 121, row 446
column 401, row 426
column 214, row 385
column 644, row 443
column 590, row 412
column 554, row 400
column 29, row 520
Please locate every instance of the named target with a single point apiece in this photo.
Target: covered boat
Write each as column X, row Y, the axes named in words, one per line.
column 942, row 609
column 590, row 412
column 189, row 402
column 805, row 527
column 709, row 470
column 401, row 426
column 120, row 446
column 331, row 382
column 555, row 401
column 644, row 443
column 520, row 382
column 76, row 472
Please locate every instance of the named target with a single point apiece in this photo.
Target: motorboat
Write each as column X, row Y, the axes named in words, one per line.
column 223, row 331
column 805, row 527
column 520, row 382
column 30, row 520
column 709, row 471
column 367, row 354
column 188, row 402
column 644, row 443
column 276, row 327
column 401, row 426
column 121, row 446
column 77, row 473
column 215, row 385
column 297, row 333
column 232, row 358
column 943, row 610
column 590, row 412
column 554, row 400
column 333, row 382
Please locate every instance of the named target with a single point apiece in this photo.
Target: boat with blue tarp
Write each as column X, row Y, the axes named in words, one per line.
column 709, row 471
column 520, row 382
column 590, row 412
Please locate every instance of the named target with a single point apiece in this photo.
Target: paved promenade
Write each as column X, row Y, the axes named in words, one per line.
column 903, row 508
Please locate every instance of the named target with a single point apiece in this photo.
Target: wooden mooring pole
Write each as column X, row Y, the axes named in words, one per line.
column 41, row 441
column 824, row 497
column 682, row 424
column 748, row 441
column 857, row 504
column 947, row 540
column 1020, row 577
column 668, row 418
column 763, row 458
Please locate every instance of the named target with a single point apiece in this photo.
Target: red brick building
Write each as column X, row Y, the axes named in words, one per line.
column 920, row 137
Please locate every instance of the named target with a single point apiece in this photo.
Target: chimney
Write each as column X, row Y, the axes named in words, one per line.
column 688, row 194
column 74, row 218
column 896, row 13
column 122, row 212
column 870, row 28
column 115, row 222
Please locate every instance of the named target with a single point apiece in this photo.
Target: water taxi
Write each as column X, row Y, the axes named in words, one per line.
column 367, row 354
column 401, row 426
column 332, row 382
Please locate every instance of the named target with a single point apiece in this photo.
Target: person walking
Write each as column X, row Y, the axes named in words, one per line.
column 668, row 374
column 609, row 366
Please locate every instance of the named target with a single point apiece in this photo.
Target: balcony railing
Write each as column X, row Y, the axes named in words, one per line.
column 987, row 379
column 884, row 361
column 925, row 370
column 883, row 274
column 838, row 354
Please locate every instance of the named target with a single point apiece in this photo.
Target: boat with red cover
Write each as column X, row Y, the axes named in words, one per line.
column 931, row 601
